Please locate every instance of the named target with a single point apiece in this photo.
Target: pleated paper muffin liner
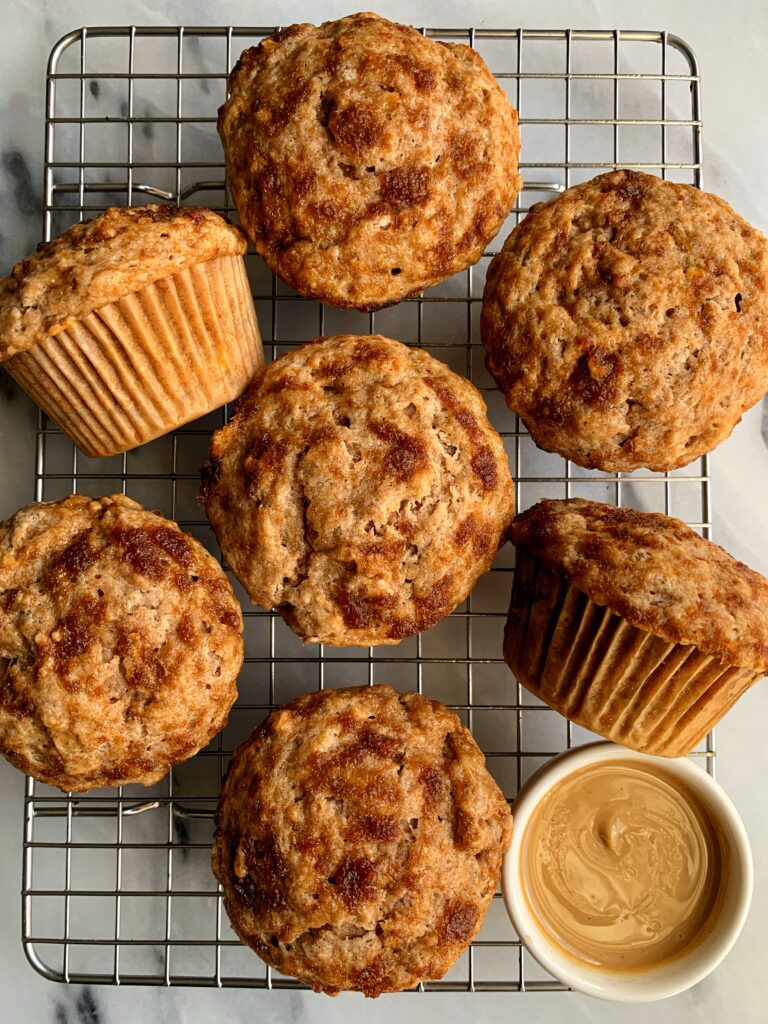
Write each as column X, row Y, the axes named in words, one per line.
column 614, row 679
column 153, row 360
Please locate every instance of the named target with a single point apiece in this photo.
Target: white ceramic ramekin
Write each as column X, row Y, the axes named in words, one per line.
column 652, row 983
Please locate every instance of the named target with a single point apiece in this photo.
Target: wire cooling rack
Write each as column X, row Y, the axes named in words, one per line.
column 117, row 885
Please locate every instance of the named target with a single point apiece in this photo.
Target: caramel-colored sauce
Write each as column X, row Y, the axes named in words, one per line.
column 622, row 866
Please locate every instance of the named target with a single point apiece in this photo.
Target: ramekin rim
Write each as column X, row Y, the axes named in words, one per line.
column 682, row 973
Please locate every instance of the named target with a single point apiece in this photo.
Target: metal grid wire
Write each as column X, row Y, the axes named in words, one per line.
column 117, row 885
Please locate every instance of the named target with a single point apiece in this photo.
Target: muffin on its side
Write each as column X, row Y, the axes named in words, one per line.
column 626, row 322
column 359, row 839
column 366, row 161
column 359, row 489
column 131, row 324
column 120, row 643
column 631, row 624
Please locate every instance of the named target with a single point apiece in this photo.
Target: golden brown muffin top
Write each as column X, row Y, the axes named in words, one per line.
column 359, row 839
column 626, row 322
column 120, row 643
column 656, row 572
column 359, row 489
column 96, row 262
column 367, row 162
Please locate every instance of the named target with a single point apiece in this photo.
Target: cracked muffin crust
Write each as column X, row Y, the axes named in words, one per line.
column 120, row 643
column 359, row 489
column 626, row 322
column 96, row 262
column 359, row 839
column 655, row 572
column 366, row 161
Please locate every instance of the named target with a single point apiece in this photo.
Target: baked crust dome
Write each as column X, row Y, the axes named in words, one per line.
column 101, row 260
column 359, row 839
column 359, row 489
column 120, row 643
column 655, row 572
column 366, row 161
column 626, row 322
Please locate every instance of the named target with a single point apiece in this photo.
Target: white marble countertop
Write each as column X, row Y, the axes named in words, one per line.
column 731, row 41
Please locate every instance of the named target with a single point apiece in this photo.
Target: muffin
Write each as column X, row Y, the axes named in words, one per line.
column 359, row 489
column 366, row 161
column 626, row 322
column 359, row 839
column 132, row 324
column 631, row 624
column 120, row 643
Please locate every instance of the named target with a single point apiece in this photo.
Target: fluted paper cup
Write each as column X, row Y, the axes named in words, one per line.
column 153, row 360
column 614, row 679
